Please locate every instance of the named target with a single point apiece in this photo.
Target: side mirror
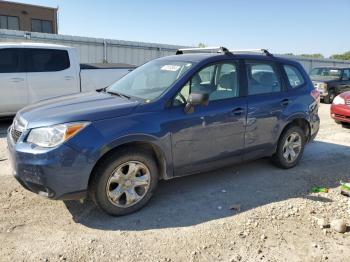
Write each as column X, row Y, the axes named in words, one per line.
column 196, row 99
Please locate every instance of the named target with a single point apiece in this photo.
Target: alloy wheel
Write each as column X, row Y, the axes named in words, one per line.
column 128, row 184
column 292, row 147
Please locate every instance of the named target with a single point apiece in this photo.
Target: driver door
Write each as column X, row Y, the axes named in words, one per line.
column 212, row 135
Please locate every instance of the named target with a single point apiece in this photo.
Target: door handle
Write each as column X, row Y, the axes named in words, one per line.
column 17, row 79
column 68, row 77
column 285, row 102
column 238, row 111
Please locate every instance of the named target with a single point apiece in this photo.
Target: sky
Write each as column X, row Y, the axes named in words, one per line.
column 294, row 26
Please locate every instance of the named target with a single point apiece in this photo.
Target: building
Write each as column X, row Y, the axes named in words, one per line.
column 31, row 18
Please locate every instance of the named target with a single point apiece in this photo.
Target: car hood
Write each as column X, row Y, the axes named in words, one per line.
column 91, row 106
column 346, row 95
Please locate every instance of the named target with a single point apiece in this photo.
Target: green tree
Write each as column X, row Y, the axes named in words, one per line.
column 312, row 55
column 344, row 56
column 201, row 45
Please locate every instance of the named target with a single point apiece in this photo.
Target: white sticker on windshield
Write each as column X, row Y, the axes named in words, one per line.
column 172, row 68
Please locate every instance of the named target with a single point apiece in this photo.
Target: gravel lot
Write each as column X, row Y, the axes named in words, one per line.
column 190, row 219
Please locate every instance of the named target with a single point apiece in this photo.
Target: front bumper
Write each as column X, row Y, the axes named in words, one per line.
column 57, row 173
column 341, row 113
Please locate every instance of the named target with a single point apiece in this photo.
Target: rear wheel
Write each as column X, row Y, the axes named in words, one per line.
column 124, row 182
column 290, row 147
column 328, row 99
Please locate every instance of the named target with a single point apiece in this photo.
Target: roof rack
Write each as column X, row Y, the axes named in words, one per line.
column 219, row 49
column 264, row 51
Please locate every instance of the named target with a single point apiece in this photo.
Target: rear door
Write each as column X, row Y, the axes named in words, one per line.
column 13, row 81
column 50, row 74
column 267, row 102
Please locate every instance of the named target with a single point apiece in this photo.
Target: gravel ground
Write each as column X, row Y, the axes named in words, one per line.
column 277, row 218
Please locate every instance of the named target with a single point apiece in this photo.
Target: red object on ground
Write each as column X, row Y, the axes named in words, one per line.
column 341, row 112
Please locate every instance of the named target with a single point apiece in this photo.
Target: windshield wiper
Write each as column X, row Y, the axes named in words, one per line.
column 102, row 89
column 118, row 94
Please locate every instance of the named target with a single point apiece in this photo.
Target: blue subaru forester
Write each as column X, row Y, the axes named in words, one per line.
column 199, row 110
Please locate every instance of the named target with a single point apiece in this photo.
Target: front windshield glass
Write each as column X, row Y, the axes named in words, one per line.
column 150, row 80
column 325, row 74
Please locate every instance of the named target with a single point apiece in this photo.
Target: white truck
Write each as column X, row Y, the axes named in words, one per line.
column 31, row 72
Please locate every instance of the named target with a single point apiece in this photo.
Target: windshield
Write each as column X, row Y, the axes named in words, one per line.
column 325, row 74
column 150, row 80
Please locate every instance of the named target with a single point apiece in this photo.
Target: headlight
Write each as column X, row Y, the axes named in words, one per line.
column 51, row 136
column 338, row 100
column 322, row 86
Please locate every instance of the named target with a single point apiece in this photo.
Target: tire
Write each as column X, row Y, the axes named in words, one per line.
column 284, row 148
column 330, row 97
column 116, row 184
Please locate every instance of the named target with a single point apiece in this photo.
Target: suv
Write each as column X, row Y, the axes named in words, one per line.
column 330, row 81
column 192, row 112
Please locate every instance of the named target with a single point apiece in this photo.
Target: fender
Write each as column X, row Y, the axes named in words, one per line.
column 162, row 146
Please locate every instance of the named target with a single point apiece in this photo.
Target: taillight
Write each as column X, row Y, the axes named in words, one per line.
column 316, row 95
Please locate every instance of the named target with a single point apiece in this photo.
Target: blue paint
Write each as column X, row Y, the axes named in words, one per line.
column 211, row 137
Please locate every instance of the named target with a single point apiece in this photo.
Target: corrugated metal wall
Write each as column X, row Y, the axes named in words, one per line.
column 98, row 50
column 310, row 63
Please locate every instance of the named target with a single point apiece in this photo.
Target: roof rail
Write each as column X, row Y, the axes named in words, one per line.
column 264, row 51
column 219, row 49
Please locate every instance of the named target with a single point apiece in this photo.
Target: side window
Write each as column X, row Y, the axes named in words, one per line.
column 219, row 80
column 346, row 74
column 10, row 60
column 262, row 78
column 294, row 76
column 47, row 60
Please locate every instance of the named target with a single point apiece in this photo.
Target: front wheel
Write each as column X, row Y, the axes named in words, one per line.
column 290, row 148
column 124, row 182
column 328, row 99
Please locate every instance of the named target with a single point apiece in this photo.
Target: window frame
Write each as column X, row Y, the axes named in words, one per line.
column 290, row 87
column 41, row 25
column 275, row 65
column 28, row 60
column 236, row 62
column 7, row 22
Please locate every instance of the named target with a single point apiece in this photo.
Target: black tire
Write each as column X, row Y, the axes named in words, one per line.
column 102, row 174
column 330, row 97
column 278, row 159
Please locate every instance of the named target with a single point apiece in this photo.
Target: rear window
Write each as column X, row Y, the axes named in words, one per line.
column 47, row 60
column 294, row 76
column 9, row 60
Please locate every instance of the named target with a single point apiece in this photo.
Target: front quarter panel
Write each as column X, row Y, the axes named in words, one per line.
column 104, row 135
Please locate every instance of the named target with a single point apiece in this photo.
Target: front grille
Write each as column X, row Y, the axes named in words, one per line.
column 348, row 102
column 15, row 134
